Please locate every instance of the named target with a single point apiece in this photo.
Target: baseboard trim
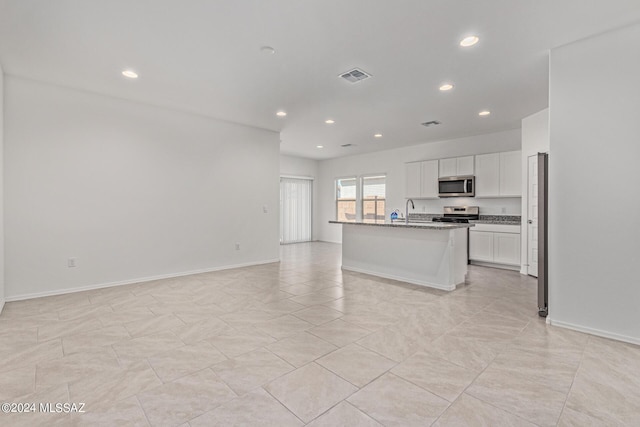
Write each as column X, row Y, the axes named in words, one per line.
column 494, row 265
column 137, row 280
column 596, row 332
column 401, row 279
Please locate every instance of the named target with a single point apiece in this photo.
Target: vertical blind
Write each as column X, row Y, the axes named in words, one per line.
column 295, row 210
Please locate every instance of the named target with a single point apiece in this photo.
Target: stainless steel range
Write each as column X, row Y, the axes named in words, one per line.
column 459, row 214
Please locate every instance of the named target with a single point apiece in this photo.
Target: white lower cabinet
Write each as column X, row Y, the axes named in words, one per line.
column 495, row 244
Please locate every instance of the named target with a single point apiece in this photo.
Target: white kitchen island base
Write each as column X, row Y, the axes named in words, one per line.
column 433, row 256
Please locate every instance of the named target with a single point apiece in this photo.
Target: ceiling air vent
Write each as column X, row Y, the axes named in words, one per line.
column 431, row 123
column 355, row 75
column 347, row 145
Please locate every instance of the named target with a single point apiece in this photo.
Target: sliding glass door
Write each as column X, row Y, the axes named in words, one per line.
column 295, row 210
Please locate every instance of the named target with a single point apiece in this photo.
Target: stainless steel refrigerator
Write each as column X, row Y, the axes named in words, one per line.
column 543, row 267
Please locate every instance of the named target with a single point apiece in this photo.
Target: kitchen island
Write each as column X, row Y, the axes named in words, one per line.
column 426, row 254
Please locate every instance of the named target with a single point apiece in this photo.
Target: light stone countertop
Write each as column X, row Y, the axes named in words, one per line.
column 401, row 224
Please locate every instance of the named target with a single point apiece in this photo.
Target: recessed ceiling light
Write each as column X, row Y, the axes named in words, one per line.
column 377, row 135
column 445, row 87
column 267, row 50
column 329, row 121
column 130, row 74
column 281, row 113
column 469, row 41
column 319, row 146
column 484, row 113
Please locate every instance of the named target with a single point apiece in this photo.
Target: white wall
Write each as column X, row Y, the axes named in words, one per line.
column 535, row 139
column 131, row 190
column 594, row 238
column 2, row 286
column 392, row 163
column 298, row 166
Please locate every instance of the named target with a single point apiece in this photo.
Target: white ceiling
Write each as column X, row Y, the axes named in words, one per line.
column 204, row 56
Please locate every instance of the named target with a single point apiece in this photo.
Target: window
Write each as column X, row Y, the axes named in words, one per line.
column 373, row 198
column 346, row 199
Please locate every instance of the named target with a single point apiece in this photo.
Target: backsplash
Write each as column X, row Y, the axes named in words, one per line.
column 491, row 219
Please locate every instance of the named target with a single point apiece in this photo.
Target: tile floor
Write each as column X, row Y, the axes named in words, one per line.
column 302, row 343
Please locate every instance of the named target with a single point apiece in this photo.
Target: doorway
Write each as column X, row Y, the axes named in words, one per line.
column 532, row 211
column 295, row 209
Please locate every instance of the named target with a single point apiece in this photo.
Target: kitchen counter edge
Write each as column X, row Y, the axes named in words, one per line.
column 423, row 225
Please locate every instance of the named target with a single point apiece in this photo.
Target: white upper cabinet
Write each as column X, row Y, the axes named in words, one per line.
column 498, row 174
column 429, row 179
column 465, row 165
column 456, row 166
column 511, row 173
column 413, row 180
column 422, row 180
column 488, row 175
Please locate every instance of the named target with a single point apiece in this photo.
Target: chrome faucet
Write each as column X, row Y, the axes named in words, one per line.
column 406, row 220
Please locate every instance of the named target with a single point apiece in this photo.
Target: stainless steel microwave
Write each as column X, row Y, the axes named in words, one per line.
column 457, row 186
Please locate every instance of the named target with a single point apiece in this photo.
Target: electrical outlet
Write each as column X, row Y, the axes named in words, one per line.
column 237, row 246
column 504, row 210
column 265, row 209
column 71, row 262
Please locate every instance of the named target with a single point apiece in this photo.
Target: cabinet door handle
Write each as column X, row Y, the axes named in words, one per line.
column 530, row 221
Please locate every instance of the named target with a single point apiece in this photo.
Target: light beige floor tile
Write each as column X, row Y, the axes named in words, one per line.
column 344, row 415
column 207, row 327
column 469, row 411
column 240, row 341
column 309, row 391
column 91, row 341
column 119, row 318
column 527, row 399
column 111, row 387
column 181, row 361
column 83, row 311
column 188, row 397
column 76, row 366
column 339, row 332
column 436, row 375
column 283, row 326
column 14, row 338
column 62, row 328
column 133, row 302
column 356, row 364
column 391, row 345
column 251, row 370
column 153, row 325
column 318, row 314
column 142, row 347
column 606, row 388
column 552, row 370
column 371, row 320
column 313, row 298
column 297, row 289
column 127, row 412
column 301, row 349
column 257, row 408
column 17, row 382
column 53, row 394
column 572, row 418
column 13, row 358
column 393, row 401
column 246, row 317
column 280, row 308
column 466, row 352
